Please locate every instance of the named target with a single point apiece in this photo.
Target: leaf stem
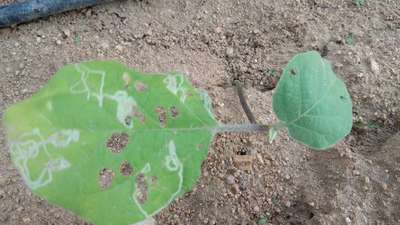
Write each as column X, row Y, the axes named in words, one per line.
column 247, row 127
column 244, row 104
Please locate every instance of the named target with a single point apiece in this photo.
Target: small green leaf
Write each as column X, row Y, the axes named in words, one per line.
column 77, row 40
column 262, row 221
column 271, row 72
column 359, row 2
column 350, row 39
column 109, row 143
column 272, row 133
column 312, row 102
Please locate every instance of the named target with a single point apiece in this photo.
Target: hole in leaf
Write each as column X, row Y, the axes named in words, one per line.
column 117, row 142
column 140, row 86
column 174, row 112
column 105, row 178
column 141, row 185
column 162, row 115
column 125, row 168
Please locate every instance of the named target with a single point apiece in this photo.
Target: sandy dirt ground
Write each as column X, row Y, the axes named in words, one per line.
column 215, row 42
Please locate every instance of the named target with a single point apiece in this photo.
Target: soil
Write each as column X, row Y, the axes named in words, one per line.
column 244, row 180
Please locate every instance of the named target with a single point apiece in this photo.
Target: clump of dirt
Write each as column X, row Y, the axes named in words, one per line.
column 117, row 142
column 105, row 178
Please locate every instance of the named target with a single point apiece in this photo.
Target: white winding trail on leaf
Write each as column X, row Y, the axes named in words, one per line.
column 172, row 163
column 82, row 86
column 125, row 103
column 28, row 147
column 206, row 102
column 175, row 84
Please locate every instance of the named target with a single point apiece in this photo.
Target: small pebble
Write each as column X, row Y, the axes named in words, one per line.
column 230, row 179
column 229, row 52
column 374, row 66
column 384, row 186
column 119, row 48
column 104, row 45
column 256, row 209
column 218, row 30
column 66, row 33
column 348, row 220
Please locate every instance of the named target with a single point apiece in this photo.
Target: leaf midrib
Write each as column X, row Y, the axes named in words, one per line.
column 315, row 104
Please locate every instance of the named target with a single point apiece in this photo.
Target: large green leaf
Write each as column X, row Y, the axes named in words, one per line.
column 312, row 102
column 111, row 144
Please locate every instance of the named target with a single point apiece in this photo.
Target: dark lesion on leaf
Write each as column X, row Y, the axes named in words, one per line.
column 117, row 142
column 141, row 191
column 105, row 178
column 128, row 120
column 125, row 168
column 293, row 72
column 174, row 112
column 162, row 115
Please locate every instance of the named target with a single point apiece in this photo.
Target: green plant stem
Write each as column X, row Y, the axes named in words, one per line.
column 239, row 128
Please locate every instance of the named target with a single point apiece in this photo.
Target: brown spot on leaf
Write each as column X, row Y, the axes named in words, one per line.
column 125, row 168
column 141, row 191
column 140, row 86
column 105, row 178
column 117, row 142
column 162, row 115
column 174, row 112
